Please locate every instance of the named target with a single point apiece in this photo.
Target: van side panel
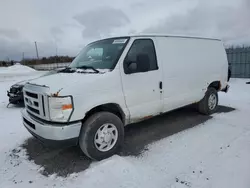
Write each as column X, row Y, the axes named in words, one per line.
column 189, row 66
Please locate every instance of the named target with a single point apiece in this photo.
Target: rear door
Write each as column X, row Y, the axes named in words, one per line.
column 142, row 90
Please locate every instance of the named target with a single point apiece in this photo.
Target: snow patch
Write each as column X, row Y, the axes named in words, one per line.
column 16, row 70
column 111, row 172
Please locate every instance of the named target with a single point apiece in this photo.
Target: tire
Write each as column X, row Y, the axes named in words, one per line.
column 92, row 129
column 204, row 106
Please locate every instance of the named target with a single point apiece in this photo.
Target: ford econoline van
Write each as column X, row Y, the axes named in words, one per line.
column 118, row 81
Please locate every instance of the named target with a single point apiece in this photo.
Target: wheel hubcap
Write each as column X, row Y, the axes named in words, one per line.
column 212, row 101
column 106, row 137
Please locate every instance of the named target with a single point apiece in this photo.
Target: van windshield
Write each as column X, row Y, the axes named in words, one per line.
column 102, row 54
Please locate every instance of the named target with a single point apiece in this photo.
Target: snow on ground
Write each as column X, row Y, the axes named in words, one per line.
column 213, row 154
column 16, row 70
column 19, row 68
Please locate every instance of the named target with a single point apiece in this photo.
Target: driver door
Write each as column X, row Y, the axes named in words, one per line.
column 142, row 87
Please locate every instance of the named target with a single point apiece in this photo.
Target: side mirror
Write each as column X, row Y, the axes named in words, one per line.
column 132, row 67
column 142, row 64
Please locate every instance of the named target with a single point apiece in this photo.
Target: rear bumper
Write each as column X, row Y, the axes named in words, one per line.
column 52, row 134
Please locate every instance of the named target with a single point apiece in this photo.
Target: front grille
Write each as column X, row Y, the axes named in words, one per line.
column 29, row 123
column 32, row 95
column 43, row 106
column 35, row 104
column 33, row 110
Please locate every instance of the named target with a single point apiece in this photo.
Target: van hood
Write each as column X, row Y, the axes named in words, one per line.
column 64, row 81
column 23, row 82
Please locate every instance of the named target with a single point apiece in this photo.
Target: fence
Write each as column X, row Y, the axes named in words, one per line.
column 239, row 62
column 49, row 66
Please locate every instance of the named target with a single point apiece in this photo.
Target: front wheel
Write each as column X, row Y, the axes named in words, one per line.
column 208, row 105
column 101, row 136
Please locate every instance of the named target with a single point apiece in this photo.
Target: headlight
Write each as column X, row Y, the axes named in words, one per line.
column 60, row 108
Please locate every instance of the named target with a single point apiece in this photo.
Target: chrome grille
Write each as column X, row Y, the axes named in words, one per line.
column 36, row 103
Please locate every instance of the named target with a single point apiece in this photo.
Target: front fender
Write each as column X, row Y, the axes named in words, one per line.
column 83, row 104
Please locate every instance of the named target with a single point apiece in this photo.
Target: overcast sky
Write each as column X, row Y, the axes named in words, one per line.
column 69, row 25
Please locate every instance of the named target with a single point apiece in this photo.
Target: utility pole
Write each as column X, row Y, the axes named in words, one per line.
column 23, row 56
column 36, row 50
column 56, row 51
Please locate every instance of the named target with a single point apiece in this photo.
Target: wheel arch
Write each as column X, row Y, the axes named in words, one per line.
column 216, row 85
column 108, row 107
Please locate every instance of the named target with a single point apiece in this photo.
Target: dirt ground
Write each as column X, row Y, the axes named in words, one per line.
column 137, row 136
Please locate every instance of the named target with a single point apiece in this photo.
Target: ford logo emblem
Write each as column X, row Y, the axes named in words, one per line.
column 30, row 102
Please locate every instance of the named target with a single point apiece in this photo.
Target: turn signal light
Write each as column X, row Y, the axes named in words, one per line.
column 67, row 107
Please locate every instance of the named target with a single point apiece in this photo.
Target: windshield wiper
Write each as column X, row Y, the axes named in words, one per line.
column 66, row 70
column 88, row 67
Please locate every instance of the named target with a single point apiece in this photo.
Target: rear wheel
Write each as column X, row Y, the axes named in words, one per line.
column 208, row 105
column 101, row 136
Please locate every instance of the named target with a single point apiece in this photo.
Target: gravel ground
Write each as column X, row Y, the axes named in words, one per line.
column 137, row 136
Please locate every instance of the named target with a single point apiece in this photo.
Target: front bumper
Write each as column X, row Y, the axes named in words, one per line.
column 52, row 134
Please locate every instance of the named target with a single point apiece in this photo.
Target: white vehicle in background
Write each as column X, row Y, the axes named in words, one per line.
column 118, row 81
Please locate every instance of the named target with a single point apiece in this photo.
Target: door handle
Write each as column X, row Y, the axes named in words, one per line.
column 160, row 84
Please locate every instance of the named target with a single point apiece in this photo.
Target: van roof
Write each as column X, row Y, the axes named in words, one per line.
column 162, row 35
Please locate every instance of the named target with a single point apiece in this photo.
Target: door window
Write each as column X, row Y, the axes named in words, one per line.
column 141, row 57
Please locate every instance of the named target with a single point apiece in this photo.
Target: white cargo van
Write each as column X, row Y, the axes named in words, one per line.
column 118, row 81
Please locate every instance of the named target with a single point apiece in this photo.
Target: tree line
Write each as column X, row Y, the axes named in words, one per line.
column 47, row 60
column 44, row 60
